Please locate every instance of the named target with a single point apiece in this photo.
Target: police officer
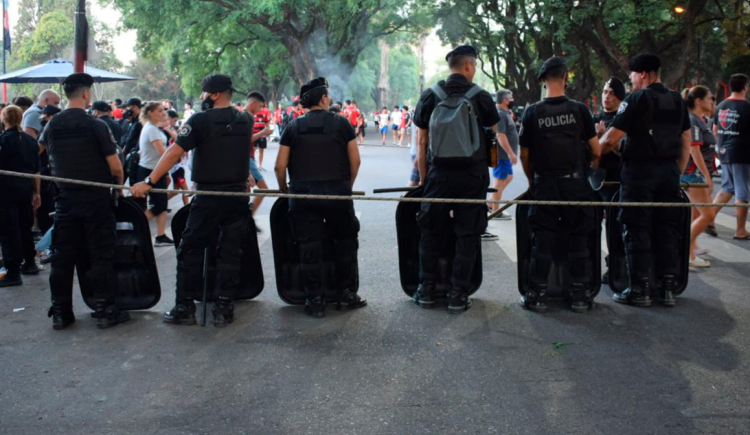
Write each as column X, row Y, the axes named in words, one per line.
column 612, row 96
column 468, row 179
column 103, row 111
column 558, row 141
column 18, row 153
column 320, row 151
column 81, row 147
column 655, row 153
column 220, row 140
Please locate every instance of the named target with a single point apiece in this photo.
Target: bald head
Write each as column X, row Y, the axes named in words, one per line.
column 48, row 97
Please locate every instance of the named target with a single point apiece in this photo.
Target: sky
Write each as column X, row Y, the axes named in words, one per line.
column 124, row 43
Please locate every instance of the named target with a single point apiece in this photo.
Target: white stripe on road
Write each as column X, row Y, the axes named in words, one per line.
column 726, row 221
column 725, row 251
column 506, row 233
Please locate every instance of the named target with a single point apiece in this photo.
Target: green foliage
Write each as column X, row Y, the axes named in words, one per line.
column 282, row 43
column 51, row 39
column 403, row 76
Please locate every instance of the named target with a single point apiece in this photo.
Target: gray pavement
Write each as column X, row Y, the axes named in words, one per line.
column 390, row 368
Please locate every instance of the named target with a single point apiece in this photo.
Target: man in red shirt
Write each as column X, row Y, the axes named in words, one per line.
column 262, row 118
column 353, row 114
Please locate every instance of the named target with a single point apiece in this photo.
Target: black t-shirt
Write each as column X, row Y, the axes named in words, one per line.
column 114, row 127
column 636, row 104
column 320, row 154
column 484, row 104
column 732, row 120
column 18, row 153
column 611, row 161
column 530, row 134
column 105, row 144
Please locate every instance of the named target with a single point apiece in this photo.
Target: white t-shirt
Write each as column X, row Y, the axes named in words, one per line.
column 383, row 120
column 188, row 114
column 396, row 118
column 149, row 155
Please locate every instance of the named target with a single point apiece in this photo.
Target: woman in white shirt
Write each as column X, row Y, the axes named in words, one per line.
column 152, row 145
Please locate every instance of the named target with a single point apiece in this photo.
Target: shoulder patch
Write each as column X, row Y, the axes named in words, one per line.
column 185, row 130
column 622, row 108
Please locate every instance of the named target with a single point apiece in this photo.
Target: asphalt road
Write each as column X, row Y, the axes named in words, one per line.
column 390, row 368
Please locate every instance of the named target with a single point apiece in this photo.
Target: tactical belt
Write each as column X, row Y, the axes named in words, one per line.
column 573, row 175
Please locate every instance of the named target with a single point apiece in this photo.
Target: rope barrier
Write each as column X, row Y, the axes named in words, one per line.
column 278, row 194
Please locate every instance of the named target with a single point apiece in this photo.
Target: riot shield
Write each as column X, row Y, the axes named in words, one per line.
column 251, row 269
column 290, row 281
column 558, row 284
column 408, row 235
column 618, row 269
column 136, row 275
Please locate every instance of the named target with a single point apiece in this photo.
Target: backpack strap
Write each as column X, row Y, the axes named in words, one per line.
column 439, row 92
column 473, row 92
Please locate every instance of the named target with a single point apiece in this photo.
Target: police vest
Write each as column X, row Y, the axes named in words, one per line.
column 224, row 156
column 74, row 151
column 559, row 149
column 657, row 136
column 319, row 152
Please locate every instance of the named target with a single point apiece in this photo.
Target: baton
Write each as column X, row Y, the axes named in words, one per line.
column 205, row 284
column 505, row 207
column 409, row 189
column 354, row 193
column 682, row 185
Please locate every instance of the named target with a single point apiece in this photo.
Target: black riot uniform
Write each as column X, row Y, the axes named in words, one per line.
column 78, row 146
column 556, row 132
column 114, row 127
column 220, row 141
column 319, row 164
column 468, row 180
column 18, row 153
column 654, row 120
column 610, row 162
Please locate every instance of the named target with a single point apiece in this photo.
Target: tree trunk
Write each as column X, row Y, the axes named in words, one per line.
column 422, row 66
column 383, row 82
column 303, row 65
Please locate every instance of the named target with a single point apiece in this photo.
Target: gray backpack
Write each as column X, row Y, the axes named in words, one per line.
column 454, row 132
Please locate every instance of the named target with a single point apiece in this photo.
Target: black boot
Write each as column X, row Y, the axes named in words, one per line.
column 425, row 295
column 108, row 315
column 667, row 286
column 315, row 307
column 183, row 313
column 29, row 268
column 223, row 311
column 62, row 316
column 581, row 298
column 349, row 300
column 535, row 299
column 638, row 294
column 11, row 281
column 458, row 301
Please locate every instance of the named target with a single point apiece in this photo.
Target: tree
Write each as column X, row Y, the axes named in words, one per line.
column 596, row 36
column 319, row 37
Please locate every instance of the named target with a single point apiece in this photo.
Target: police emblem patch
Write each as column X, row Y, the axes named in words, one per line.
column 622, row 108
column 185, row 130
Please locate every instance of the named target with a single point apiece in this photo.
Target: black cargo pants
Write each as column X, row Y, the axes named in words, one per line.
column 308, row 220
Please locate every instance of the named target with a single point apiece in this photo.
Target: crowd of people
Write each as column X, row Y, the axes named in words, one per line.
column 644, row 143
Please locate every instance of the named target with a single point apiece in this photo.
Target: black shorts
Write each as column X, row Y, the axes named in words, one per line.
column 362, row 131
column 261, row 143
column 157, row 202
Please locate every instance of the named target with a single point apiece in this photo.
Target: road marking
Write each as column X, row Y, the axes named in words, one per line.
column 726, row 221
column 724, row 251
column 506, row 232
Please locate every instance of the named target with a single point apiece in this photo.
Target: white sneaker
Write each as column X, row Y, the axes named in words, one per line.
column 488, row 236
column 503, row 217
column 701, row 251
column 699, row 263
